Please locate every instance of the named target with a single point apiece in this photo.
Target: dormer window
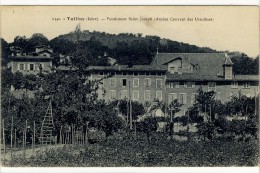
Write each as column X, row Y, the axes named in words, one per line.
column 172, row 70
column 191, row 69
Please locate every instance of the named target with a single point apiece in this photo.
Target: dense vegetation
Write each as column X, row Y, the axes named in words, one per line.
column 126, row 48
column 123, row 151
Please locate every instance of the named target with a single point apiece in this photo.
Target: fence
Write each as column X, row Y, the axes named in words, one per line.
column 71, row 135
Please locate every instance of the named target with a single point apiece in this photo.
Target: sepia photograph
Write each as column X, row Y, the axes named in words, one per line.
column 129, row 86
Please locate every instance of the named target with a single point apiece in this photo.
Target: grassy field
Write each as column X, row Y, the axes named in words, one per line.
column 123, row 151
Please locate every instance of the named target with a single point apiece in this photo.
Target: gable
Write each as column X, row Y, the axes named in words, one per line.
column 210, row 64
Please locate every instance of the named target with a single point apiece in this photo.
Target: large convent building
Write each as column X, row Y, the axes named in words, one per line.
column 174, row 76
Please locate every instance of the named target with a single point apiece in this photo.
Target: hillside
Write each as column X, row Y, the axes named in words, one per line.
column 125, row 47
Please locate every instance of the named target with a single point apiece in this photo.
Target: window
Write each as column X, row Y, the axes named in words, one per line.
column 136, row 82
column 159, row 74
column 173, row 85
column 123, row 94
column 172, row 70
column 112, row 82
column 211, row 86
column 182, row 98
column 189, row 84
column 172, row 96
column 31, row 67
column 158, row 83
column 246, row 85
column 147, row 95
column 234, row 84
column 112, row 94
column 193, row 98
column 101, row 73
column 21, row 67
column 158, row 95
column 147, row 82
column 135, row 95
column 123, row 82
column 135, row 73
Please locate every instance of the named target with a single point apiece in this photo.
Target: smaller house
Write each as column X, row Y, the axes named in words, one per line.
column 32, row 63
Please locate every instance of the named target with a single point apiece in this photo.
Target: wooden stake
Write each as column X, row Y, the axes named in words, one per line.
column 33, row 135
column 4, row 140
column 24, row 144
column 135, row 128
column 25, row 132
column 12, row 137
column 72, row 134
column 86, row 135
column 60, row 135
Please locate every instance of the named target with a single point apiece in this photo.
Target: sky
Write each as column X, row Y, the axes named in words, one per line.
column 233, row 28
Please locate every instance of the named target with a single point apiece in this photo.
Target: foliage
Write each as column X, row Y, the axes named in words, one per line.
column 244, row 64
column 241, row 105
column 28, row 44
column 148, row 125
column 4, row 52
column 207, row 130
column 173, row 108
column 126, row 152
column 123, row 105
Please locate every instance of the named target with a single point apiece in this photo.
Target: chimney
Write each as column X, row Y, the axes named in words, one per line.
column 228, row 67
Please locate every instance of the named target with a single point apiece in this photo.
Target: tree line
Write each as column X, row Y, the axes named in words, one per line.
column 125, row 48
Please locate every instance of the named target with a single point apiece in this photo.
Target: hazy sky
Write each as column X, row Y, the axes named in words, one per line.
column 233, row 28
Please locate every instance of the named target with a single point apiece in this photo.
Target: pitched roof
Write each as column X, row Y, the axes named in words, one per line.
column 206, row 64
column 140, row 68
column 197, row 77
column 246, row 78
column 30, row 58
column 228, row 60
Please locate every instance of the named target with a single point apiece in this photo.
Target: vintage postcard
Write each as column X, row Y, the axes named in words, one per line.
column 129, row 86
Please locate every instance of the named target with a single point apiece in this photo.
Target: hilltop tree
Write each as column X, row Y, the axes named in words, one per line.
column 4, row 51
column 38, row 39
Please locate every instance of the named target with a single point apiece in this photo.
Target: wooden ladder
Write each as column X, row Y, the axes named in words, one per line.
column 47, row 126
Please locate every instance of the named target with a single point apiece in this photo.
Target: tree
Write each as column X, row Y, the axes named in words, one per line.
column 244, row 64
column 205, row 103
column 18, row 80
column 7, row 78
column 21, row 42
column 4, row 51
column 123, row 105
column 38, row 39
column 173, row 108
column 148, row 125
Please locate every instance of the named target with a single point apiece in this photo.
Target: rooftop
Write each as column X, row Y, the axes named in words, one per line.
column 26, row 57
column 120, row 68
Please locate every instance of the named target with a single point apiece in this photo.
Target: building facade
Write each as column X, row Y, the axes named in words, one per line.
column 174, row 76
column 32, row 63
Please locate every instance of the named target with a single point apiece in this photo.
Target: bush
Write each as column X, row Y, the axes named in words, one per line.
column 96, row 136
